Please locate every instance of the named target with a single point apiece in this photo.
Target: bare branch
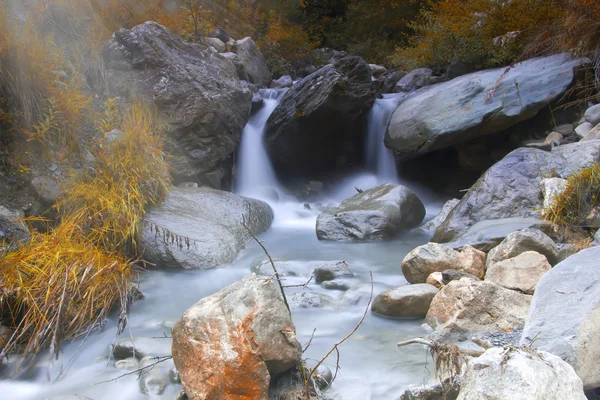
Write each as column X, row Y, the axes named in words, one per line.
column 140, row 371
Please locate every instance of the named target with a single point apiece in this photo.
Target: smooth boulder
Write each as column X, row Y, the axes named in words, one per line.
column 231, row 344
column 318, row 117
column 478, row 104
column 522, row 272
column 197, row 93
column 375, row 214
column 511, row 188
column 410, row 301
column 564, row 318
column 519, row 242
column 421, row 262
column 254, row 62
column 519, row 374
column 201, row 228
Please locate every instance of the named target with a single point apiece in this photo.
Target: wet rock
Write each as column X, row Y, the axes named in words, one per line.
column 414, row 80
column 435, row 223
column 139, row 348
column 128, row 364
column 554, row 139
column 12, row 230
column 283, row 82
column 511, row 188
column 323, row 377
column 247, row 337
column 429, row 120
column 359, row 295
column 150, row 62
column 592, row 115
column 201, row 228
column 522, row 272
column 465, row 307
column 311, row 300
column 450, row 275
column 375, row 214
column 411, row 301
column 306, row 132
column 564, row 318
column 47, row 188
column 565, row 250
column 330, row 272
column 522, row 241
column 435, row 279
column 254, row 62
column 174, row 376
column 434, row 257
column 338, row 284
column 216, row 43
column 153, row 381
column 520, row 375
column 433, row 390
column 583, row 129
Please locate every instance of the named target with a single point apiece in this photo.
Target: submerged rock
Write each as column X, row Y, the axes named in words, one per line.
column 410, row 301
column 330, row 272
column 201, row 228
column 375, row 214
column 243, row 335
column 564, row 318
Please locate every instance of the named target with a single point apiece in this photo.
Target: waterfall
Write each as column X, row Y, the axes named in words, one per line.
column 380, row 159
column 255, row 174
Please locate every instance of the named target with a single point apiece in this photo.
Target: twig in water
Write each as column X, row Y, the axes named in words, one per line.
column 140, row 371
column 310, row 341
column 302, row 285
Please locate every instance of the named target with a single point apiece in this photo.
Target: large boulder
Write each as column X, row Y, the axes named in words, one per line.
column 318, row 116
column 375, row 214
column 564, row 318
column 519, row 242
column 466, row 306
column 522, row 272
column 519, row 374
column 200, row 228
column 478, row 104
column 511, row 188
column 254, row 62
column 198, row 94
column 433, row 257
column 229, row 345
column 410, row 301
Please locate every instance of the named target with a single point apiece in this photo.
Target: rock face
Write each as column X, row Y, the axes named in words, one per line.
column 200, row 228
column 306, row 132
column 230, row 344
column 254, row 62
column 511, row 188
column 564, row 318
column 433, row 257
column 522, row 272
column 464, row 307
column 529, row 239
column 197, row 93
column 519, row 375
column 411, row 301
column 375, row 214
column 477, row 104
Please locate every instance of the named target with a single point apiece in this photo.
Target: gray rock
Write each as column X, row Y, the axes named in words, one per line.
column 360, row 294
column 583, row 129
column 564, row 318
column 214, row 42
column 414, row 80
column 565, row 250
column 592, row 115
column 254, row 62
column 243, row 334
column 338, row 284
column 323, row 377
column 518, row 242
column 47, row 188
column 283, row 82
column 139, row 348
column 332, row 271
column 375, row 214
column 477, row 104
column 311, row 300
column 511, row 188
column 201, row 228
column 198, row 94
column 377, row 70
column 12, row 230
column 316, row 116
column 519, row 374
column 154, row 380
column 410, row 301
column 174, row 376
column 522, row 272
column 433, row 390
column 554, row 139
column 450, row 275
column 435, row 223
column 240, row 68
column 220, row 34
column 564, row 129
column 390, row 81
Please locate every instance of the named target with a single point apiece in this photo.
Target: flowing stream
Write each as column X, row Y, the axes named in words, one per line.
column 371, row 366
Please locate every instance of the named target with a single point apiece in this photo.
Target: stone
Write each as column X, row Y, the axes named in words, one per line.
column 306, row 132
column 113, row 136
column 154, row 379
column 244, row 336
column 511, row 187
column 583, row 129
column 450, row 275
column 592, row 115
column 220, row 34
column 216, row 43
column 564, row 318
column 435, row 223
column 311, row 300
column 518, row 242
column 519, row 374
column 565, row 250
column 414, row 80
column 410, row 301
column 433, row 390
column 12, row 229
column 448, row 113
column 242, row 74
column 254, row 62
column 139, row 347
column 201, row 228
column 338, row 284
column 522, row 272
column 465, row 307
column 390, row 80
column 552, row 188
column 435, row 279
column 128, row 364
column 554, row 138
column 330, row 272
column 564, row 129
column 198, row 94
column 377, row 70
column 285, row 81
column 323, row 377
column 594, row 134
column 434, row 257
column 47, row 188
column 375, row 214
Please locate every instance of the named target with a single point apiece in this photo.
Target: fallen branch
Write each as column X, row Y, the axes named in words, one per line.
column 433, row 346
column 140, row 371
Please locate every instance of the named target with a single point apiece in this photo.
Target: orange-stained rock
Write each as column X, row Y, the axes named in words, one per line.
column 228, row 345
